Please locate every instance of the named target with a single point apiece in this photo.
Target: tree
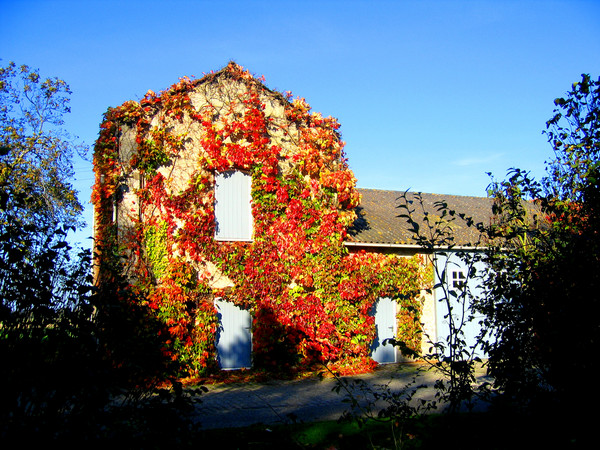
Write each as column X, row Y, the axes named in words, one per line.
column 65, row 347
column 542, row 291
column 540, row 281
column 452, row 356
column 35, row 151
column 574, row 133
column 47, row 337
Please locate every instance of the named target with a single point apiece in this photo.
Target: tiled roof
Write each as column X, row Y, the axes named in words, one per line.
column 378, row 221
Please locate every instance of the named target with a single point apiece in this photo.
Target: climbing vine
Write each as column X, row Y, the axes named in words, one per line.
column 311, row 300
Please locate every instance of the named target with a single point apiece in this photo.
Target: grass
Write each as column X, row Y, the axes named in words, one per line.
column 319, row 435
column 472, row 431
column 159, row 428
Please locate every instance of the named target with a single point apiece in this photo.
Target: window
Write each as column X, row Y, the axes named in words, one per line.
column 233, row 213
column 458, row 279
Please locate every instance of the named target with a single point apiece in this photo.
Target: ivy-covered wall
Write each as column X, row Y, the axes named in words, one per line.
column 155, row 164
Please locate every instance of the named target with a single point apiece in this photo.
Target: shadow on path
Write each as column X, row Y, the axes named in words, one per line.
column 308, row 400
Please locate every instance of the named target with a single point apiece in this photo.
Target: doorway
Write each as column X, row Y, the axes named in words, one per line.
column 386, row 328
column 234, row 338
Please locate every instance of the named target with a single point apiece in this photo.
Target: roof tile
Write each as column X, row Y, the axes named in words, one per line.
column 378, row 220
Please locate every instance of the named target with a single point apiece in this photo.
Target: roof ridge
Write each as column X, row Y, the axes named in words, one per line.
column 408, row 191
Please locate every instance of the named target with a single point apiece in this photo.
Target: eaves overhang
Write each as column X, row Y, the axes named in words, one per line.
column 413, row 246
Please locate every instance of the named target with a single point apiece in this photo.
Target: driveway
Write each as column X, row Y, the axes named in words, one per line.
column 308, row 400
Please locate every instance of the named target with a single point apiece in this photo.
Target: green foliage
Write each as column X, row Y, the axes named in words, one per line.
column 67, row 349
column 574, row 133
column 541, row 279
column 35, row 152
column 543, row 291
column 46, row 329
column 156, row 249
column 49, row 353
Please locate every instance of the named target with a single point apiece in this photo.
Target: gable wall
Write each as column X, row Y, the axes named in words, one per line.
column 309, row 297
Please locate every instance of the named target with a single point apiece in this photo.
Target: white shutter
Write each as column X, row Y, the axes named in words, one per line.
column 233, row 213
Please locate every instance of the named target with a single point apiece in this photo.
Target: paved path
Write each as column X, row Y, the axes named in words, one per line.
column 240, row 405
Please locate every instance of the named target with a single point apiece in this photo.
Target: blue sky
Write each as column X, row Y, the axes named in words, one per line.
column 431, row 95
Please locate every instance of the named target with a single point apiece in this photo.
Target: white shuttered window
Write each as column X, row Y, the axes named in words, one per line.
column 233, row 213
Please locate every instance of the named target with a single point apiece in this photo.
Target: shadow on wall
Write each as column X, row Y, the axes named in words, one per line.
column 243, row 343
column 277, row 346
column 234, row 336
column 260, row 342
column 235, row 354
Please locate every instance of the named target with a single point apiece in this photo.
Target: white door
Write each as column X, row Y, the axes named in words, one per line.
column 234, row 339
column 385, row 324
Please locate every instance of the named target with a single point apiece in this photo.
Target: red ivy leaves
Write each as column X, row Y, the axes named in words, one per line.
column 310, row 298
